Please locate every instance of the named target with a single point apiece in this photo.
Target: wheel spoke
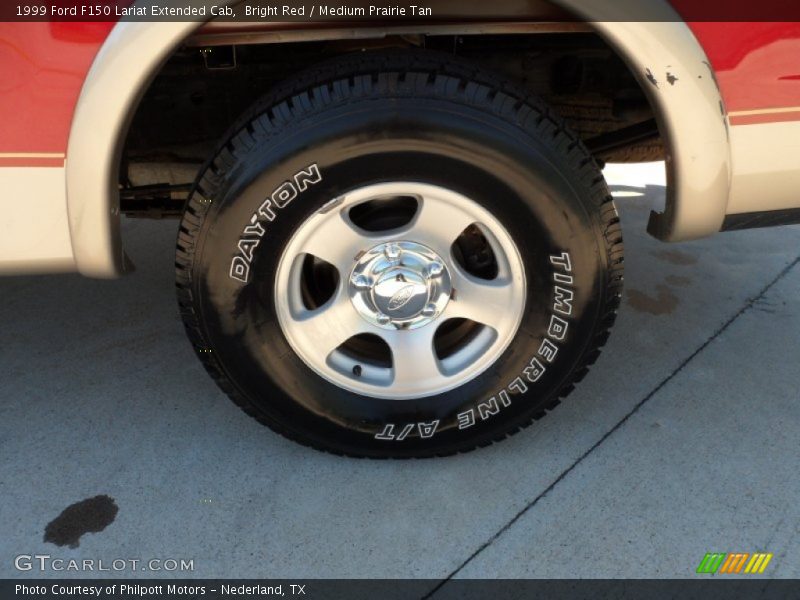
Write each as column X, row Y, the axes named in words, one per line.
column 324, row 329
column 438, row 223
column 335, row 240
column 413, row 357
column 480, row 300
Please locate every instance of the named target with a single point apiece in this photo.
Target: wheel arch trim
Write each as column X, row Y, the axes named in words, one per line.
column 119, row 76
column 672, row 68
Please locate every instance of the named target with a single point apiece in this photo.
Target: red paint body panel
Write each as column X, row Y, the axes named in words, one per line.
column 43, row 67
column 757, row 64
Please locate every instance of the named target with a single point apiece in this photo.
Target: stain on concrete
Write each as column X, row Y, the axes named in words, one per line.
column 678, row 280
column 87, row 516
column 676, row 257
column 766, row 306
column 663, row 303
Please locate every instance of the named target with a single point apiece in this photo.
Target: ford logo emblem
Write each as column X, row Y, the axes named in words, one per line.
column 401, row 297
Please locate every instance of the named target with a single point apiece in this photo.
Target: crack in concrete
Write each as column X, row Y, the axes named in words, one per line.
column 747, row 306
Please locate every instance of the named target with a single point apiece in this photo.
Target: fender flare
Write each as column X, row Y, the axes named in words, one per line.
column 126, row 63
column 663, row 54
column 675, row 73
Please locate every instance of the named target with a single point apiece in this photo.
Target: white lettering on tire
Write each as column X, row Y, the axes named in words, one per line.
column 252, row 234
column 424, row 430
column 563, row 295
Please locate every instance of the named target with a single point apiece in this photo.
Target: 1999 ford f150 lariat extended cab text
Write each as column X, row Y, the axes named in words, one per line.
column 395, row 237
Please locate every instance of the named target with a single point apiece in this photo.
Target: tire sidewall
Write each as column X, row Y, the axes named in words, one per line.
column 521, row 179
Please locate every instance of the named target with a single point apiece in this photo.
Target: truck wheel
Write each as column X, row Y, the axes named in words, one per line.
column 398, row 255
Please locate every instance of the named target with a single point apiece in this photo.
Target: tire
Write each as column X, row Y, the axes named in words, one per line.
column 406, row 146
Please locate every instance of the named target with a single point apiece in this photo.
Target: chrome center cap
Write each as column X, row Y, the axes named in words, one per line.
column 399, row 285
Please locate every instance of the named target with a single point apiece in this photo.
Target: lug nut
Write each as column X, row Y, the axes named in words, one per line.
column 392, row 251
column 361, row 281
column 435, row 269
column 383, row 319
column 429, row 310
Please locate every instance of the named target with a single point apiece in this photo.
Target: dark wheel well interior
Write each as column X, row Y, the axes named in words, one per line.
column 203, row 87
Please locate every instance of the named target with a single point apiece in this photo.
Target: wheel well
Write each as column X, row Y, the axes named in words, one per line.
column 208, row 82
column 655, row 55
